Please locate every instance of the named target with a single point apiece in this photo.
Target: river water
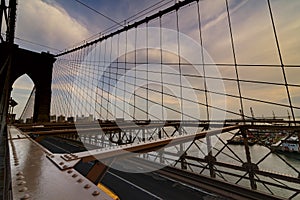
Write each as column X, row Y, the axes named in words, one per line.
column 272, row 163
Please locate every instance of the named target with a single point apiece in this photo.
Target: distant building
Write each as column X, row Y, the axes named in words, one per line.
column 53, row 118
column 29, row 120
column 84, row 119
column 119, row 119
column 20, row 121
column 11, row 118
column 70, row 119
column 61, row 118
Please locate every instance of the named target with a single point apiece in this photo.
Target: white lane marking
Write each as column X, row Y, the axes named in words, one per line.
column 138, row 187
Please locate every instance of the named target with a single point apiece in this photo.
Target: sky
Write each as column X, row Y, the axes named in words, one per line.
column 60, row 24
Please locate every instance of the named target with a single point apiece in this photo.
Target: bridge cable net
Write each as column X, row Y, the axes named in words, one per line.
column 185, row 64
column 27, row 113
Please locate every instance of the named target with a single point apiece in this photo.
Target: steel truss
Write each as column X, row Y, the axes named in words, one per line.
column 155, row 138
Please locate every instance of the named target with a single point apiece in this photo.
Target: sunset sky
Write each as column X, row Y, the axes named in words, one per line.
column 61, row 24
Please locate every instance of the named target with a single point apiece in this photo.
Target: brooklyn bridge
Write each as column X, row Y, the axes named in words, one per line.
column 182, row 100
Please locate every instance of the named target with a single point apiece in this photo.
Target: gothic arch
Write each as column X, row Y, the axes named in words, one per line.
column 38, row 66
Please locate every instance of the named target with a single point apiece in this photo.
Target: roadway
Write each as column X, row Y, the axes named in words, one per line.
column 133, row 185
column 150, row 186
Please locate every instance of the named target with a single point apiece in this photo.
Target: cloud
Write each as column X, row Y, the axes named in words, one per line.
column 48, row 24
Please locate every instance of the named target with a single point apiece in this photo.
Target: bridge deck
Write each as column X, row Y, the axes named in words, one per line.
column 44, row 176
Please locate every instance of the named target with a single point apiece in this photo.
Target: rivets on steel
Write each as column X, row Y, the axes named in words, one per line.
column 87, row 186
column 65, row 166
column 19, row 173
column 70, row 171
column 95, row 193
column 74, row 175
column 75, row 156
column 26, row 196
column 80, row 180
column 23, row 189
column 61, row 163
column 21, row 182
column 19, row 178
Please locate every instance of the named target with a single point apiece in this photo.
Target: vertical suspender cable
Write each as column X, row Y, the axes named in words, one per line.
column 202, row 60
column 179, row 65
column 94, row 81
column 147, row 70
column 117, row 72
column 102, row 79
column 281, row 59
column 98, row 81
column 161, row 69
column 110, row 77
column 135, row 74
column 125, row 71
column 234, row 59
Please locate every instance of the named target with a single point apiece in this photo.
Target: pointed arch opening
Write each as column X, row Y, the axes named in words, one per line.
column 23, row 92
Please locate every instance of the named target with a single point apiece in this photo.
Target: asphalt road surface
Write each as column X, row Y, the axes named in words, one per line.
column 133, row 186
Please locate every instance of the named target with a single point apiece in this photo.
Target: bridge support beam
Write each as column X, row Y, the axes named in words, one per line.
column 98, row 171
column 43, row 91
column 38, row 66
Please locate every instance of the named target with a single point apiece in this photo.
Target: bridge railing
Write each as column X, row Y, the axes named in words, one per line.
column 252, row 154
